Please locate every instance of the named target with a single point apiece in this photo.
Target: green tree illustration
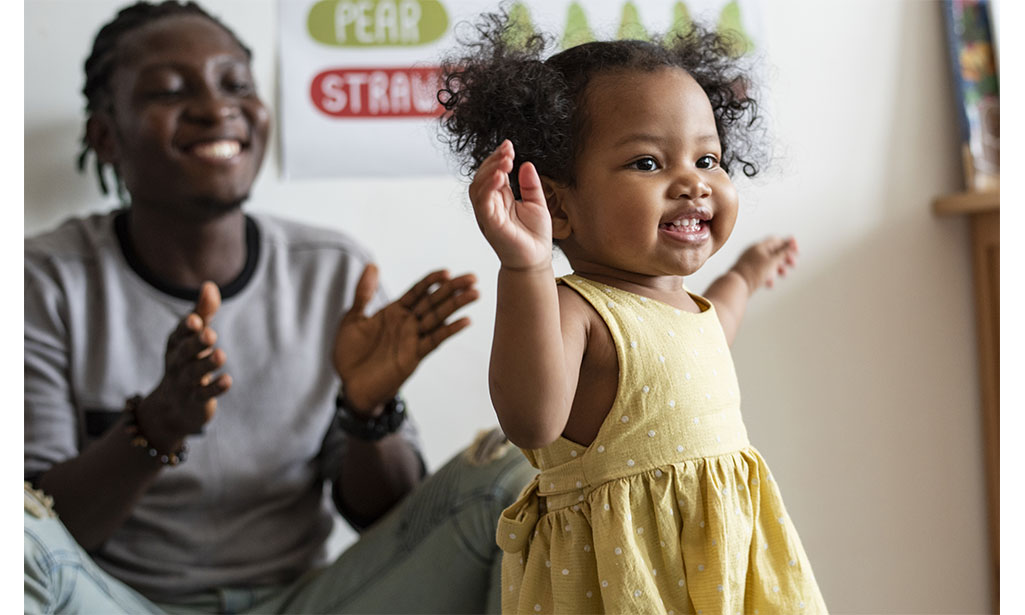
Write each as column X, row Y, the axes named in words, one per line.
column 521, row 28
column 630, row 26
column 578, row 31
column 681, row 20
column 730, row 21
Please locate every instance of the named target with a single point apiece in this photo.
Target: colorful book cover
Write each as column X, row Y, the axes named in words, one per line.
column 976, row 84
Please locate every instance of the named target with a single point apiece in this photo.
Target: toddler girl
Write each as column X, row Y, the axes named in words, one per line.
column 616, row 381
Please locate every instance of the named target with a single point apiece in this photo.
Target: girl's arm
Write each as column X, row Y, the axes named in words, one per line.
column 534, row 365
column 756, row 267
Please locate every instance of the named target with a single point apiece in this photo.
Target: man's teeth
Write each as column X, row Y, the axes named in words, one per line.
column 689, row 223
column 218, row 149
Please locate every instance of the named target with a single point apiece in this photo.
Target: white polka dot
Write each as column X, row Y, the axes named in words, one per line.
column 697, row 420
column 687, row 375
column 701, row 567
column 568, row 527
column 775, row 588
column 718, row 439
column 633, row 344
column 702, row 524
column 645, row 388
column 604, row 583
column 644, row 299
column 630, row 462
column 637, row 593
column 548, row 563
column 608, row 290
column 715, row 372
column 765, row 547
column 625, row 419
column 537, row 607
column 658, row 473
column 677, row 312
column 661, row 359
column 618, row 551
column 719, row 587
column 640, row 531
column 629, row 517
column 565, row 571
column 588, row 594
column 551, row 486
column 572, row 453
column 792, row 563
column 695, row 352
column 719, row 349
column 587, row 548
column 679, row 448
column 639, row 319
column 671, row 333
column 601, row 448
column 723, row 491
column 580, row 499
column 512, row 536
column 512, row 588
column 651, row 433
column 714, row 542
column 800, row 604
column 611, row 305
column 708, row 396
column 701, row 329
column 672, row 403
column 575, row 508
column 736, row 510
column 579, row 484
column 780, row 519
column 663, row 543
column 606, row 507
column 680, row 583
column 754, row 481
column 740, row 486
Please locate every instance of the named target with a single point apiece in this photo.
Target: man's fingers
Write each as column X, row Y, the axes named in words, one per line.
column 209, row 301
column 430, row 300
column 190, row 347
column 366, row 287
column 439, row 313
column 199, row 370
column 421, row 289
column 428, row 343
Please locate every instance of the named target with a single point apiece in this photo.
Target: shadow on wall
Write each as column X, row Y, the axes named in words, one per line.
column 860, row 390
column 54, row 189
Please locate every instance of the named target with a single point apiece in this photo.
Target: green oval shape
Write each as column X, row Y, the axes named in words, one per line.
column 377, row 23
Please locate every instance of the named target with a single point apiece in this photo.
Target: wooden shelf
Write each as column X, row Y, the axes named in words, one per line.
column 967, row 203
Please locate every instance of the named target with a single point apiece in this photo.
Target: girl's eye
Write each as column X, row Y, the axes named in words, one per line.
column 645, row 164
column 238, row 87
column 708, row 162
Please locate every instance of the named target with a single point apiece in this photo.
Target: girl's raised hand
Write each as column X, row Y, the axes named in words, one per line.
column 520, row 231
column 761, row 263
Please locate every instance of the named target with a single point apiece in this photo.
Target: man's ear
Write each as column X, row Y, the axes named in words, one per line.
column 556, row 196
column 99, row 133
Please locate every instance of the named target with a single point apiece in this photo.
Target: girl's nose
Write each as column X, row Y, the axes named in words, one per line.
column 690, row 185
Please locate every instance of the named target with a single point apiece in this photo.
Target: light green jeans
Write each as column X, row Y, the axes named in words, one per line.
column 435, row 553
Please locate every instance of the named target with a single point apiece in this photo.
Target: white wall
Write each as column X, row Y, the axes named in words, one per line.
column 859, row 372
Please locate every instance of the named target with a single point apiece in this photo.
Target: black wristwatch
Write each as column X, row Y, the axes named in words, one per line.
column 371, row 428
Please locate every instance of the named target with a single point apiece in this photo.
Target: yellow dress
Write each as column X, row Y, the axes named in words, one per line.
column 670, row 509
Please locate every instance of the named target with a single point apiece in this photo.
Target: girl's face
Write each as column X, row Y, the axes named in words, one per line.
column 188, row 129
column 650, row 198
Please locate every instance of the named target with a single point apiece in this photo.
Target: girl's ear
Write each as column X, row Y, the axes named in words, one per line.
column 99, row 132
column 555, row 195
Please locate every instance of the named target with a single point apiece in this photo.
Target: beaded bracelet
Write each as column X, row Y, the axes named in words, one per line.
column 373, row 428
column 139, row 441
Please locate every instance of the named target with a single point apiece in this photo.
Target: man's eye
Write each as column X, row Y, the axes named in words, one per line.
column 708, row 162
column 645, row 164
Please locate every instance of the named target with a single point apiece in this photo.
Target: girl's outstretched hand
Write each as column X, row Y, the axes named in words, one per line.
column 520, row 232
column 761, row 263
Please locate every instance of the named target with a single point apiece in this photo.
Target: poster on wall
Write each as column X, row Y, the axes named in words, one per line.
column 359, row 78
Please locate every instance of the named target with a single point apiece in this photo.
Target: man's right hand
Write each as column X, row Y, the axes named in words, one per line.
column 186, row 397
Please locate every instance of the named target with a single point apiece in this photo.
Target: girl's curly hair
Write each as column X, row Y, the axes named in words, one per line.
column 503, row 89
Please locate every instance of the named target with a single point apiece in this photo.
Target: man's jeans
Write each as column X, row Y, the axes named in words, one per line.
column 435, row 553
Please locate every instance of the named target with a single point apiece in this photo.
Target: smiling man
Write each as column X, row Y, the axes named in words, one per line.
column 196, row 375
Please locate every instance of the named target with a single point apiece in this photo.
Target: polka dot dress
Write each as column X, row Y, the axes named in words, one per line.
column 670, row 509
